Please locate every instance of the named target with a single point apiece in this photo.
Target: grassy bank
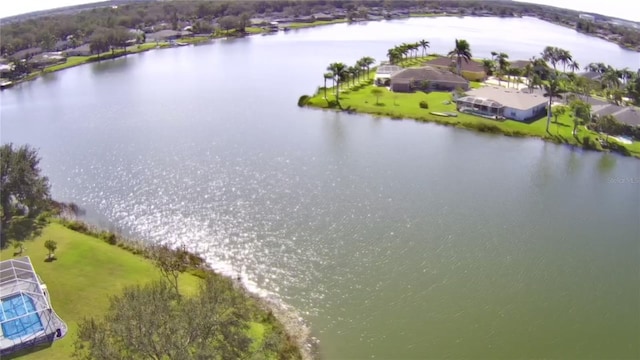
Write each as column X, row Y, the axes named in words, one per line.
column 79, row 60
column 360, row 99
column 88, row 271
column 300, row 25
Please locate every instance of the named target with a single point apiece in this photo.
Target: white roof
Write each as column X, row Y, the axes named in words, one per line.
column 510, row 98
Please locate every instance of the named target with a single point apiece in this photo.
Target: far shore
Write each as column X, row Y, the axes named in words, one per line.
column 73, row 61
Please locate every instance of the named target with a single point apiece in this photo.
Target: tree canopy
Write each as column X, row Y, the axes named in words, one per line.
column 24, row 192
column 153, row 322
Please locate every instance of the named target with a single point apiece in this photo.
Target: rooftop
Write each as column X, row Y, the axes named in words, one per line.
column 509, row 97
column 471, row 66
column 388, row 69
column 625, row 114
column 427, row 73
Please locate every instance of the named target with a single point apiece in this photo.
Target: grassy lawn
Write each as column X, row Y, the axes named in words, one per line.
column 297, row 25
column 359, row 98
column 87, row 272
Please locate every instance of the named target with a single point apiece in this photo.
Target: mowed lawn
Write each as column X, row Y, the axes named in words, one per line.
column 87, row 272
column 361, row 99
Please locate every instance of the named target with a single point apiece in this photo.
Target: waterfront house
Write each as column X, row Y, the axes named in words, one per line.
column 426, row 78
column 383, row 74
column 82, row 50
column 472, row 70
column 499, row 102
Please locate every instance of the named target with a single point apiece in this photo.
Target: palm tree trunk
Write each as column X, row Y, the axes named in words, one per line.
column 549, row 114
column 325, row 88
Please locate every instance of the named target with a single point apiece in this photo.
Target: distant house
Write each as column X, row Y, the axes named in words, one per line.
column 519, row 64
column 82, row 50
column 591, row 75
column 499, row 102
column 426, row 78
column 27, row 53
column 383, row 74
column 587, row 17
column 165, row 35
column 625, row 114
column 472, row 70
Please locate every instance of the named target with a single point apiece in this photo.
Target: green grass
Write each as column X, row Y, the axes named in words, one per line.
column 254, row 30
column 88, row 271
column 300, row 25
column 359, row 98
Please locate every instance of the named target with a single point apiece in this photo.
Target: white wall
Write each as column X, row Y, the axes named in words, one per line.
column 521, row 115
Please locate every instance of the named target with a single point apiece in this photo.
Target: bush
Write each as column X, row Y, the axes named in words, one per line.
column 78, row 226
column 424, row 104
column 302, row 101
column 109, row 238
column 620, row 149
column 587, row 143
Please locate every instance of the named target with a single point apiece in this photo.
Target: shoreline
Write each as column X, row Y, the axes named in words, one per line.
column 294, row 325
column 359, row 99
column 259, row 31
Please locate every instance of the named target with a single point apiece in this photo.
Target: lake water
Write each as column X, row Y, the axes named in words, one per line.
column 394, row 239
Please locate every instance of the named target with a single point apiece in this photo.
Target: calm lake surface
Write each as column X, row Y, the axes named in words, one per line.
column 393, row 239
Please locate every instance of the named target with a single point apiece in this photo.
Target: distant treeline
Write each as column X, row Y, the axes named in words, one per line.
column 46, row 31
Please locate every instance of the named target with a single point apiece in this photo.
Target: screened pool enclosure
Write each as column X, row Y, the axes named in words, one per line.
column 26, row 316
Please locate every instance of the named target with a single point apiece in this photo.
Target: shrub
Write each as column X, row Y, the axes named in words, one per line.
column 78, row 226
column 109, row 238
column 302, row 101
column 424, row 104
column 587, row 143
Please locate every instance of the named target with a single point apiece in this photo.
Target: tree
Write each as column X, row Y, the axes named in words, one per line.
column 503, row 65
column 581, row 114
column 326, row 77
column 489, row 66
column 367, row 61
column 377, row 92
column 147, row 322
column 552, row 89
column 609, row 125
column 24, row 191
column 424, row 44
column 171, row 264
column 461, row 51
column 339, row 71
column 51, row 246
column 353, row 72
column 558, row 111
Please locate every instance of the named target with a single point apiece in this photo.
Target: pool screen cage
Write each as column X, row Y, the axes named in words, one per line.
column 26, row 316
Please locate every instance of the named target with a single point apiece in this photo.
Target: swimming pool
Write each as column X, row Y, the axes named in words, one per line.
column 16, row 318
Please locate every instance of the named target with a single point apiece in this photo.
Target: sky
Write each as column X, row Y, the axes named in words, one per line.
column 624, row 9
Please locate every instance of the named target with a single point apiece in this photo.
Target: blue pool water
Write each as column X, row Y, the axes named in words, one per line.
column 15, row 323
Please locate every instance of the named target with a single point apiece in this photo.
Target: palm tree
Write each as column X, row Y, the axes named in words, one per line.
column 360, row 65
column 503, row 65
column 488, row 65
column 424, row 44
column 339, row 72
column 353, row 72
column 573, row 66
column 551, row 55
column 327, row 76
column 552, row 89
column 462, row 50
column 367, row 61
column 564, row 57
